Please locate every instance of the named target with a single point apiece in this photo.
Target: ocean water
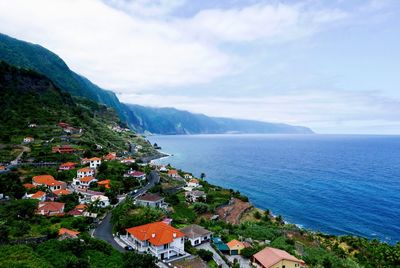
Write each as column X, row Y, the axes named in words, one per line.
column 337, row 184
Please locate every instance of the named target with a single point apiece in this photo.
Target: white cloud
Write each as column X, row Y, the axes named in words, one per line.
column 138, row 48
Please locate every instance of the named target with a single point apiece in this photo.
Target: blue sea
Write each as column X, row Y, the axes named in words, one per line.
column 337, row 184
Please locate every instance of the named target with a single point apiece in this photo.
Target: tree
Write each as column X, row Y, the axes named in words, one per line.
column 206, row 255
column 202, row 175
column 257, row 215
column 135, row 260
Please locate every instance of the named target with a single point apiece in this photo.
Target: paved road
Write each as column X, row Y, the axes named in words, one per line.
column 216, row 257
column 104, row 230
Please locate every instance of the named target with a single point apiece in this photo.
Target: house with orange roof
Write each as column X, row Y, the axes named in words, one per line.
column 39, row 195
column 29, row 186
column 50, row 208
column 64, row 149
column 67, row 166
column 28, row 139
column 158, row 238
column 173, row 173
column 128, row 160
column 193, row 183
column 61, row 192
column 110, row 156
column 84, row 182
column 49, row 182
column 84, row 172
column 105, row 183
column 65, row 233
column 235, row 247
column 94, row 162
column 273, row 257
column 2, row 168
column 84, row 161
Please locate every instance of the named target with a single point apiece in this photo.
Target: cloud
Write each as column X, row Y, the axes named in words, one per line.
column 131, row 46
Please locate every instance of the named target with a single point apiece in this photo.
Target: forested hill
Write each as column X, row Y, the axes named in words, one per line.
column 171, row 121
column 35, row 57
column 139, row 118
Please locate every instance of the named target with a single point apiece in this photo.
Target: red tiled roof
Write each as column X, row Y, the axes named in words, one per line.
column 48, row 207
column 157, row 233
column 61, row 192
column 85, row 169
column 63, row 231
column 29, row 186
column 87, row 179
column 235, row 244
column 81, row 207
column 105, row 183
column 194, row 181
column 270, row 256
column 172, row 172
column 46, row 180
column 94, row 159
column 38, row 194
column 68, row 164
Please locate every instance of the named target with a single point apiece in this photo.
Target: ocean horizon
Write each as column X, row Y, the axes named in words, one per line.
column 336, row 184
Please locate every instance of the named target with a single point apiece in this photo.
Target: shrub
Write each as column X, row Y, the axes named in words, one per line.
column 206, row 255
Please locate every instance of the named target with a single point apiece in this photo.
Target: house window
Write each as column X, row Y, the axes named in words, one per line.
column 166, row 246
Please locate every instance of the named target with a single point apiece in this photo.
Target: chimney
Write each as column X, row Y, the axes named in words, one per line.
column 153, row 235
column 174, row 235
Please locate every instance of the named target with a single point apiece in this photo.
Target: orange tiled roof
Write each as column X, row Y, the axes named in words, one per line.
column 46, row 180
column 173, row 171
column 235, row 244
column 29, row 186
column 194, row 181
column 85, row 169
column 68, row 164
column 61, row 192
column 87, row 179
column 63, row 231
column 157, row 233
column 270, row 256
column 105, row 183
column 2, row 167
column 81, row 207
column 38, row 194
column 51, row 207
column 94, row 159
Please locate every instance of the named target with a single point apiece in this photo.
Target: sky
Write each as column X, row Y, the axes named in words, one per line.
column 332, row 65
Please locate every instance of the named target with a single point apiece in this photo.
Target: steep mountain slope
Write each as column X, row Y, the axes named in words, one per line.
column 35, row 57
column 172, row 121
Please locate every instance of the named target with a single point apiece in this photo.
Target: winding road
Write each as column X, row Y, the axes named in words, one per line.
column 104, row 229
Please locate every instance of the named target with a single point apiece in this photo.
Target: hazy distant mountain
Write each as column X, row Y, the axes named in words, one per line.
column 142, row 119
column 173, row 121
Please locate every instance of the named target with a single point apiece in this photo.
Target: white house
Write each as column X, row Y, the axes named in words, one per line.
column 84, row 182
column 158, row 238
column 196, row 234
column 150, row 200
column 135, row 174
column 102, row 200
column 39, row 195
column 28, row 139
column 193, row 183
column 49, row 182
column 195, row 196
column 94, row 162
column 85, row 172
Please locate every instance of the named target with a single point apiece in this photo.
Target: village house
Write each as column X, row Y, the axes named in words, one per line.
column 195, row 196
column 28, row 139
column 32, row 125
column 110, row 156
column 84, row 182
column 29, row 186
column 61, row 192
column 128, row 160
column 276, row 258
column 150, row 200
column 39, row 195
column 94, row 162
column 84, row 161
column 135, row 174
column 78, row 210
column 49, row 182
column 196, row 234
column 193, row 183
column 84, row 172
column 64, row 149
column 67, row 166
column 173, row 173
column 104, row 183
column 235, row 247
column 65, row 233
column 159, row 239
column 187, row 176
column 100, row 200
column 50, row 208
